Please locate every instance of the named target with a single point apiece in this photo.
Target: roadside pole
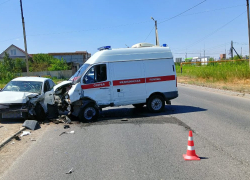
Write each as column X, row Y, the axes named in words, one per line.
column 248, row 32
column 24, row 38
column 156, row 32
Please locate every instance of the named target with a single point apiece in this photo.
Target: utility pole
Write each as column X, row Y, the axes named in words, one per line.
column 24, row 38
column 225, row 51
column 204, row 56
column 232, row 56
column 156, row 32
column 248, row 31
column 241, row 52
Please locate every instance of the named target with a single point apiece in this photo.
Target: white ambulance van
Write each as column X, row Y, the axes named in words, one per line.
column 142, row 75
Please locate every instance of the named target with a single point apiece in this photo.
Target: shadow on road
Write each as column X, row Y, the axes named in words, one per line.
column 178, row 109
column 11, row 121
column 143, row 112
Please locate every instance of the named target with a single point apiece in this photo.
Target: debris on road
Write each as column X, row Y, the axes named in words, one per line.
column 65, row 119
column 66, row 126
column 17, row 138
column 70, row 132
column 1, row 126
column 68, row 120
column 25, row 133
column 70, row 171
column 12, row 142
column 62, row 133
column 31, row 124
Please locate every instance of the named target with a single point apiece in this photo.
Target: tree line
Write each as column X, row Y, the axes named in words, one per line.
column 39, row 62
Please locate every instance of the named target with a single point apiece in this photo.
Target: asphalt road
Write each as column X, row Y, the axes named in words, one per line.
column 132, row 144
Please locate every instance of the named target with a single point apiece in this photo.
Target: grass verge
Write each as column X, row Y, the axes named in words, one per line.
column 233, row 76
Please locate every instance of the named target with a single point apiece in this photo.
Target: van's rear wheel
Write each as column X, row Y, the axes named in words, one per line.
column 89, row 113
column 156, row 103
column 138, row 105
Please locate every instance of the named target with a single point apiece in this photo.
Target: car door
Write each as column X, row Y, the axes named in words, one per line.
column 48, row 94
column 96, row 84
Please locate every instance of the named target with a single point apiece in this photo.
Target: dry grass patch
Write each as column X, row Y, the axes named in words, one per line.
column 242, row 86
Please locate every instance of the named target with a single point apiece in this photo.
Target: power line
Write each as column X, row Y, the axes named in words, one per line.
column 222, row 45
column 215, row 30
column 46, row 34
column 183, row 12
column 211, row 10
column 149, row 33
column 175, row 17
column 5, row 2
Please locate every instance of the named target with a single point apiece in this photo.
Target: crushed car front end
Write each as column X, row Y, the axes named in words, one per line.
column 14, row 111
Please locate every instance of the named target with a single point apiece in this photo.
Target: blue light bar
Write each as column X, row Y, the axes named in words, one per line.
column 104, row 47
column 164, row 45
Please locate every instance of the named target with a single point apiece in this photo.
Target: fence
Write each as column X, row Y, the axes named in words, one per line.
column 58, row 74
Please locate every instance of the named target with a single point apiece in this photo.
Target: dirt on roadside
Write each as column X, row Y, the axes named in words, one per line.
column 237, row 85
column 15, row 148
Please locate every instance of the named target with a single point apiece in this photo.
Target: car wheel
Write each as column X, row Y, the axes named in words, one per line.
column 156, row 103
column 138, row 105
column 40, row 114
column 89, row 113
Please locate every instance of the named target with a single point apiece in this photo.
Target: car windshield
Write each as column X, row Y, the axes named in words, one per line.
column 24, row 86
column 77, row 76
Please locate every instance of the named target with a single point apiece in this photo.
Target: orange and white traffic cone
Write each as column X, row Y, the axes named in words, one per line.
column 191, row 155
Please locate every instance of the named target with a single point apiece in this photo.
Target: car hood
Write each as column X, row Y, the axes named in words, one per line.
column 61, row 85
column 15, row 97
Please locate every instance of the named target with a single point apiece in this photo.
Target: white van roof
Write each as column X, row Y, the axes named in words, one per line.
column 128, row 54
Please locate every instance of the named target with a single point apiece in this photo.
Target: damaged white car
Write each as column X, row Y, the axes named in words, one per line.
column 26, row 97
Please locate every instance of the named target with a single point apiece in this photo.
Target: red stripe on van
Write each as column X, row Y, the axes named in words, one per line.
column 96, row 85
column 128, row 81
column 160, row 78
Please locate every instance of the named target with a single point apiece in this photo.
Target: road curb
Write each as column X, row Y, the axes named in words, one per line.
column 11, row 137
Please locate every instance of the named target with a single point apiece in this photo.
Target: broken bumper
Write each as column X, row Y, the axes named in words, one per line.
column 13, row 111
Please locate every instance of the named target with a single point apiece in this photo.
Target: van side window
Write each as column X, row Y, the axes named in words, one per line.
column 95, row 74
column 101, row 73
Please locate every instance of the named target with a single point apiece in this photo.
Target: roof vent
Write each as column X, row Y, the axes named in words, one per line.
column 140, row 45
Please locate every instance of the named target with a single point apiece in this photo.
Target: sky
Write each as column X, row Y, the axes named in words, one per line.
column 188, row 27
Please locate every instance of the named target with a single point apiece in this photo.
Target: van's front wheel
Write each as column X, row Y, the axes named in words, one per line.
column 89, row 113
column 156, row 103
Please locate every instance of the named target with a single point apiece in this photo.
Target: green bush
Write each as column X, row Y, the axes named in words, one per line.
column 8, row 69
column 46, row 62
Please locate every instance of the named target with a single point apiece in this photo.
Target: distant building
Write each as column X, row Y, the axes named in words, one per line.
column 222, row 56
column 14, row 52
column 178, row 60
column 77, row 58
column 201, row 59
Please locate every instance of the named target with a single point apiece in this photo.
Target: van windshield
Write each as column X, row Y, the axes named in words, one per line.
column 77, row 76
